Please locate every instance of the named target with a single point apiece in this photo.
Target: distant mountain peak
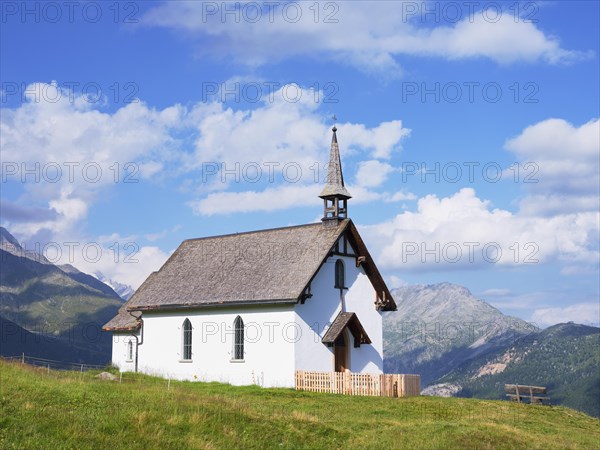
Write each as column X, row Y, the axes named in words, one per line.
column 438, row 326
column 5, row 236
column 444, row 286
column 9, row 244
column 123, row 290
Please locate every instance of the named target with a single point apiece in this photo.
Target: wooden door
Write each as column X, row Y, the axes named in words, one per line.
column 341, row 354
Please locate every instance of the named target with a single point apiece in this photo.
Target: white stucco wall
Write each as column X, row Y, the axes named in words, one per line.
column 269, row 345
column 360, row 299
column 319, row 311
column 279, row 339
column 120, row 357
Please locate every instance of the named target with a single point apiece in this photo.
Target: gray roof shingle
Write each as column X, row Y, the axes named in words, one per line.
column 343, row 320
column 267, row 266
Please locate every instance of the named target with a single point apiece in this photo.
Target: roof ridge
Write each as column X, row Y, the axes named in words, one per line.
column 320, row 224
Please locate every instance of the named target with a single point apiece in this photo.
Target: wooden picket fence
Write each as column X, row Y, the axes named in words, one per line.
column 383, row 385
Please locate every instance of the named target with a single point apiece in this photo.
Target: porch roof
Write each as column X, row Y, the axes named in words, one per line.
column 349, row 320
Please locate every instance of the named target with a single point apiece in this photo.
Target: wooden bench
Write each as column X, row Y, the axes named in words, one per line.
column 519, row 393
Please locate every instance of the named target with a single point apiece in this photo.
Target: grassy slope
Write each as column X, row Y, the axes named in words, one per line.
column 68, row 409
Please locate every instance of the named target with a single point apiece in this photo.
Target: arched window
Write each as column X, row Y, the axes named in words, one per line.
column 340, row 274
column 187, row 339
column 130, row 351
column 238, row 343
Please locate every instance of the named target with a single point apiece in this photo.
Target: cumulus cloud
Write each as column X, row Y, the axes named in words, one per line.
column 124, row 261
column 369, row 35
column 281, row 136
column 504, row 41
column 585, row 313
column 249, row 201
column 373, row 173
column 557, row 218
column 78, row 152
column 465, row 231
column 566, row 164
column 73, row 131
column 65, row 152
column 269, row 199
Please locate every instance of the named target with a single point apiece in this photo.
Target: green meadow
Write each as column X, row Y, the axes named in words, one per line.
column 61, row 409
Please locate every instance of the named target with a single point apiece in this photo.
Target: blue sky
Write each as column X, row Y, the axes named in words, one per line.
column 466, row 128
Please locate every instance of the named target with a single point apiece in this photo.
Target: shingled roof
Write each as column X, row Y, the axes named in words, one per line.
column 260, row 267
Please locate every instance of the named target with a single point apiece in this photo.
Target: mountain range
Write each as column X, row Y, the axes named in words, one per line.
column 439, row 327
column 462, row 346
column 58, row 307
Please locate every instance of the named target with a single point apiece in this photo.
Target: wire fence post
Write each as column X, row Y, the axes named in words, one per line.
column 48, row 369
column 23, row 358
column 169, row 383
column 120, row 377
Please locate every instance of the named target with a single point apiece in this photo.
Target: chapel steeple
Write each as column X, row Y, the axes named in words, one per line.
column 334, row 195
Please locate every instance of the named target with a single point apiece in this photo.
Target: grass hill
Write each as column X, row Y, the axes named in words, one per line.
column 40, row 409
column 565, row 358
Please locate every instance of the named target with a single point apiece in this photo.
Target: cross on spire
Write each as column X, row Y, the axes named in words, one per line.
column 334, row 194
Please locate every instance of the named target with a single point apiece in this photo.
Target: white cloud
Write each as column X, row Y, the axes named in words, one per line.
column 73, row 132
column 557, row 138
column 464, row 231
column 585, row 313
column 285, row 145
column 125, row 261
column 369, row 35
column 282, row 134
column 496, row 292
column 556, row 204
column 373, row 173
column 401, row 196
column 557, row 220
column 563, row 161
column 270, row 199
column 505, row 41
column 396, row 282
column 506, row 299
column 92, row 149
column 382, row 140
column 281, row 197
column 120, row 258
column 157, row 236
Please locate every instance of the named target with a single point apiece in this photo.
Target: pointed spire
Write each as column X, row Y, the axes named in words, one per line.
column 334, row 186
column 335, row 196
